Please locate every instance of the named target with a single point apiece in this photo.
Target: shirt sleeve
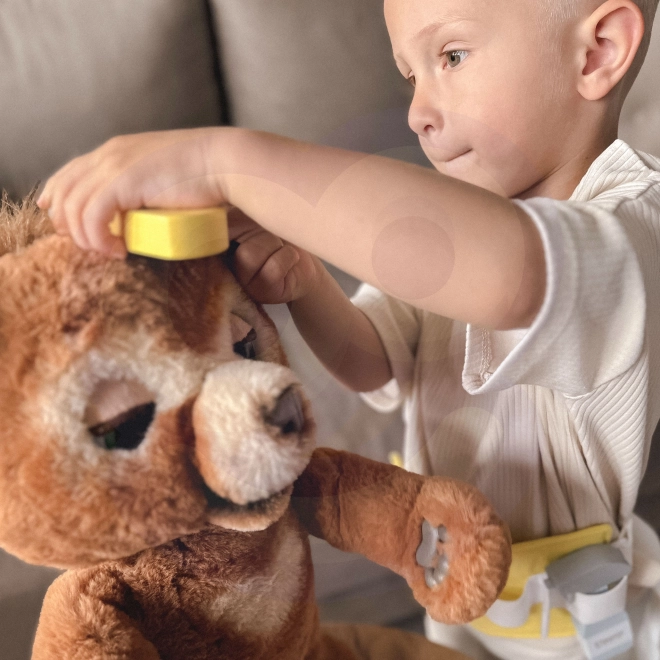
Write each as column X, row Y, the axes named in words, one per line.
column 398, row 327
column 590, row 328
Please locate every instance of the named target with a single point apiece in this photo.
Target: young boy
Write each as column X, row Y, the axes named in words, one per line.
column 512, row 295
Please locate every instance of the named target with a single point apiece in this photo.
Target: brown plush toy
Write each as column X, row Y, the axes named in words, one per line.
column 154, row 441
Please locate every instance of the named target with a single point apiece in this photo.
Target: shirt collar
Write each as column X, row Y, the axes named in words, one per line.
column 618, row 164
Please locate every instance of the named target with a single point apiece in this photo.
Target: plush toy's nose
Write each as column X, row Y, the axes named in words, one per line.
column 254, row 433
column 288, row 413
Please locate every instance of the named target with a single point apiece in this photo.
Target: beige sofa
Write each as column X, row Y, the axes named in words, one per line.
column 75, row 72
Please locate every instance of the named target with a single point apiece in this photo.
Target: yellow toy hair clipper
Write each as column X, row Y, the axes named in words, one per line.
column 174, row 234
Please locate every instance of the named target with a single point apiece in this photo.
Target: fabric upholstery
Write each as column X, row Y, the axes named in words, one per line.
column 314, row 70
column 74, row 73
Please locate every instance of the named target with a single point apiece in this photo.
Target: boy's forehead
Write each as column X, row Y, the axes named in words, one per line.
column 416, row 12
column 411, row 19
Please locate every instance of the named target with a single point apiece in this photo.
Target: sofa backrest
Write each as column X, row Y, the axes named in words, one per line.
column 317, row 70
column 74, row 72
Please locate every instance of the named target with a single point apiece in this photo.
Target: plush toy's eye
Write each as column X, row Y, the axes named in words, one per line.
column 126, row 431
column 245, row 347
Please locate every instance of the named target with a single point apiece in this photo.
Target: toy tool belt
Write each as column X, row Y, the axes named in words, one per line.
column 562, row 586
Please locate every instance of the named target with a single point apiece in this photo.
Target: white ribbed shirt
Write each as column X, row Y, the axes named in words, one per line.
column 552, row 423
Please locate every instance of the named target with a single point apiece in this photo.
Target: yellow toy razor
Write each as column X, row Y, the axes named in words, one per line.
column 173, row 235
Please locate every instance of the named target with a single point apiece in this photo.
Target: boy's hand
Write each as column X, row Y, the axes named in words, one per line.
column 270, row 270
column 168, row 169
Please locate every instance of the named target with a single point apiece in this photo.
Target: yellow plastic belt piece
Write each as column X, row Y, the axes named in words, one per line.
column 530, row 558
column 174, row 235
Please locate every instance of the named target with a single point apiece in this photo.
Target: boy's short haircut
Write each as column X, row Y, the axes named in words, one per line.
column 566, row 9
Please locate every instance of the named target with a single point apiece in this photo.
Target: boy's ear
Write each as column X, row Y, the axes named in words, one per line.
column 609, row 39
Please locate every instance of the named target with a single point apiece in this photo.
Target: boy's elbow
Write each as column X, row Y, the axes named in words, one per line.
column 528, row 281
column 370, row 386
column 529, row 297
column 368, row 378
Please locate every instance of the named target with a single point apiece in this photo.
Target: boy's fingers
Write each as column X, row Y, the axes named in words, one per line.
column 77, row 235
column 271, row 281
column 252, row 253
column 240, row 225
column 43, row 201
column 64, row 184
column 101, row 239
column 116, row 247
column 74, row 210
column 96, row 218
column 300, row 274
column 45, row 198
column 70, row 210
column 84, row 199
column 62, row 219
column 58, row 224
column 281, row 263
column 66, row 173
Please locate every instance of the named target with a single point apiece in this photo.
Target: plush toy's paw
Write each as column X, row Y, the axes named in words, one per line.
column 430, row 557
column 463, row 559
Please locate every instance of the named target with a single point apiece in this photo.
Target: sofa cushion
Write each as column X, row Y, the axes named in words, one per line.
column 22, row 589
column 314, row 70
column 75, row 72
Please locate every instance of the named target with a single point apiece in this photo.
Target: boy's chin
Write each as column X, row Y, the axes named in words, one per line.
column 468, row 171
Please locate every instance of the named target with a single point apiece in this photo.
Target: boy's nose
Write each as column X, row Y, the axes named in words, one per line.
column 423, row 118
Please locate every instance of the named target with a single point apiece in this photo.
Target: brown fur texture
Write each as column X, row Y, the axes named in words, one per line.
column 21, row 225
column 143, row 450
column 377, row 510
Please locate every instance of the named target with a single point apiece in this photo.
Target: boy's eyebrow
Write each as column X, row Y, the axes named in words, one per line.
column 438, row 25
column 434, row 27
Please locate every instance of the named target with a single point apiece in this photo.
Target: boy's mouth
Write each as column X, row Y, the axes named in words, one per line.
column 442, row 157
column 455, row 158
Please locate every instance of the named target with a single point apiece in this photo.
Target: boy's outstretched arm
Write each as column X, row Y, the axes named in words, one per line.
column 440, row 244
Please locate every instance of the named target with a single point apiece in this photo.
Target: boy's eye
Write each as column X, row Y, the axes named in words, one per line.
column 455, row 57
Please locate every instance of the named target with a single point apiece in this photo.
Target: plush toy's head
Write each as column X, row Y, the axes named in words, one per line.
column 140, row 401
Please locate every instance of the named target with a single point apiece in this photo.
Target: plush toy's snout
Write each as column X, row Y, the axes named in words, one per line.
column 254, row 436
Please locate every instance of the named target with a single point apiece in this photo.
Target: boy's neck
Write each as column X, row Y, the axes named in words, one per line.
column 562, row 181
